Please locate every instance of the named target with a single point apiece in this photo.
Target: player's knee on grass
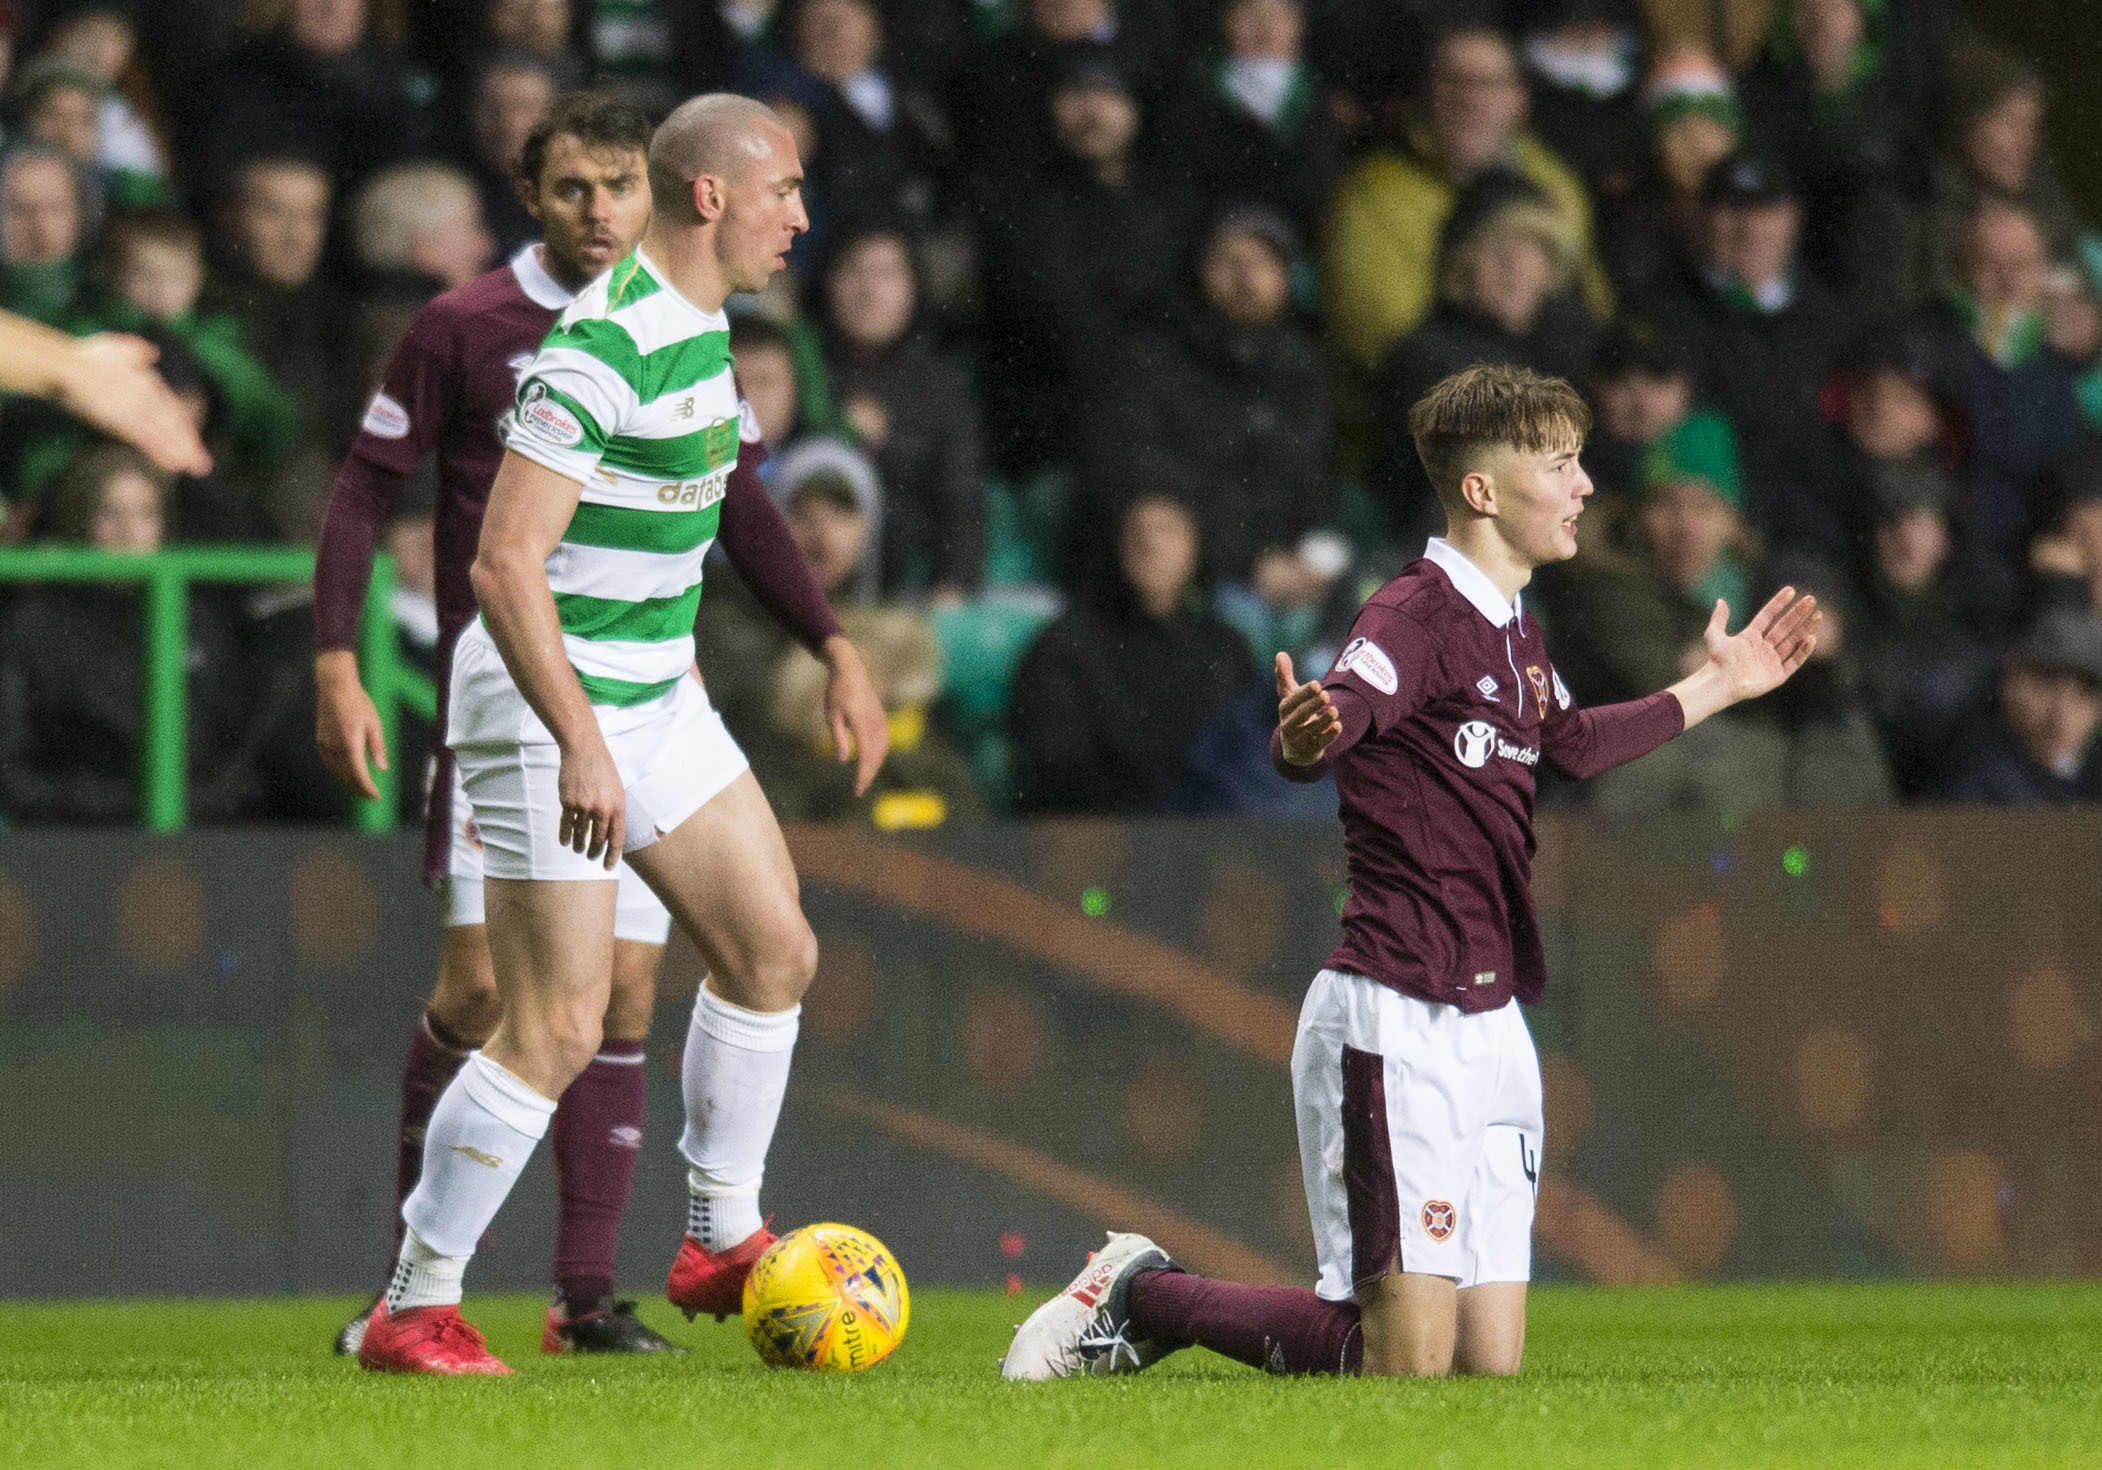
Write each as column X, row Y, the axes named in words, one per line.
column 1491, row 1337
column 634, row 994
column 1409, row 1322
column 466, row 998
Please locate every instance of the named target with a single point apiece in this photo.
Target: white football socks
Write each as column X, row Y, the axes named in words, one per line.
column 483, row 1130
column 733, row 1075
column 423, row 1278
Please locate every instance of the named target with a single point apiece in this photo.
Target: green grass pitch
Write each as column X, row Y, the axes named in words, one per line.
column 1796, row 1375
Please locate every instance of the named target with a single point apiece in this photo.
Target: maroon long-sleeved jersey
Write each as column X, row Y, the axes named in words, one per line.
column 1449, row 703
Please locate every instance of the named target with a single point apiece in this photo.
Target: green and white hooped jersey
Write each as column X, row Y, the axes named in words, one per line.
column 631, row 396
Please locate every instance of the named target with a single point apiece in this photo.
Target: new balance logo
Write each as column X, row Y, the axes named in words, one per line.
column 490, row 1160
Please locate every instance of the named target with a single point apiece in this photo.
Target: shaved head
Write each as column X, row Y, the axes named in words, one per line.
column 716, row 134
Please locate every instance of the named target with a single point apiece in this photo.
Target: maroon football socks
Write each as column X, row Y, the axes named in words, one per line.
column 598, row 1138
column 1280, row 1329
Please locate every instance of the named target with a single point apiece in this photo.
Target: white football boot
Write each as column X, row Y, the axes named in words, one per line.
column 1085, row 1329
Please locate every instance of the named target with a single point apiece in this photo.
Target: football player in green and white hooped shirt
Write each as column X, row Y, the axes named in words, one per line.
column 583, row 734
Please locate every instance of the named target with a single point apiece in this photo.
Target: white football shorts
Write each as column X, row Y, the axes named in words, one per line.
column 638, row 913
column 674, row 755
column 1419, row 1135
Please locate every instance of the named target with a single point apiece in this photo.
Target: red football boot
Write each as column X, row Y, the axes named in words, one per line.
column 702, row 1281
column 426, row 1340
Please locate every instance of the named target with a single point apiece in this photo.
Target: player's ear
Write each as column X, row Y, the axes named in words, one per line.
column 1478, row 492
column 528, row 192
column 708, row 197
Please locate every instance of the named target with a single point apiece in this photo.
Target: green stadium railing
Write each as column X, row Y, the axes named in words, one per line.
column 167, row 577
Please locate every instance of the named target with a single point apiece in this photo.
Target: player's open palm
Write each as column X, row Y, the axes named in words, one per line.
column 594, row 803
column 1307, row 721
column 1773, row 645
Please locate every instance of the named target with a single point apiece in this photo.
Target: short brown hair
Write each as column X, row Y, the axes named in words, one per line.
column 1492, row 406
column 595, row 119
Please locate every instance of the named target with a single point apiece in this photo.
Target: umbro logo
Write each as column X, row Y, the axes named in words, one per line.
column 626, row 1135
column 489, row 1160
column 1487, row 685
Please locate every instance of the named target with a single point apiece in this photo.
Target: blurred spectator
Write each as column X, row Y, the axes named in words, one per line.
column 102, row 41
column 1251, row 123
column 2006, row 354
column 923, row 783
column 781, row 373
column 512, row 92
column 416, row 230
column 1764, row 334
column 72, row 675
column 741, row 648
column 267, row 278
column 1629, row 609
column 1909, row 238
column 1633, row 618
column 1000, row 98
column 42, row 223
column 1641, row 386
column 1924, row 665
column 1108, row 700
column 1505, row 260
column 913, row 410
column 871, row 151
column 57, row 103
column 1692, row 122
column 1881, row 410
column 154, row 274
column 1831, row 751
column 1820, row 100
column 317, row 85
column 541, row 29
column 2036, row 745
column 1225, row 408
column 1073, row 255
column 1384, row 227
column 631, row 48
column 1582, row 61
column 2068, row 560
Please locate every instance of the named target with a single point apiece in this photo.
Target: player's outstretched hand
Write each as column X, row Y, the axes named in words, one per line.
column 854, row 713
column 110, row 382
column 346, row 726
column 1306, row 717
column 594, row 803
column 1773, row 645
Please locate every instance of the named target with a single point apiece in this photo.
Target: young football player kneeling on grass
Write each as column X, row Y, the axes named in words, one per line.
column 1414, row 1078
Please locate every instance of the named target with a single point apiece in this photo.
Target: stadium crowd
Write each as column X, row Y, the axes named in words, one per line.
column 1086, row 391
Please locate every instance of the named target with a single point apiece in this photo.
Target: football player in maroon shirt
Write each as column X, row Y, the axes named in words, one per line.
column 1413, row 1076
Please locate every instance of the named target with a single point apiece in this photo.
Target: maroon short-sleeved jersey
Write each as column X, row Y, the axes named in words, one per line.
column 1449, row 703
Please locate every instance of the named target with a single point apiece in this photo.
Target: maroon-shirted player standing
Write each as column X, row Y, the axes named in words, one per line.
column 1415, row 1081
